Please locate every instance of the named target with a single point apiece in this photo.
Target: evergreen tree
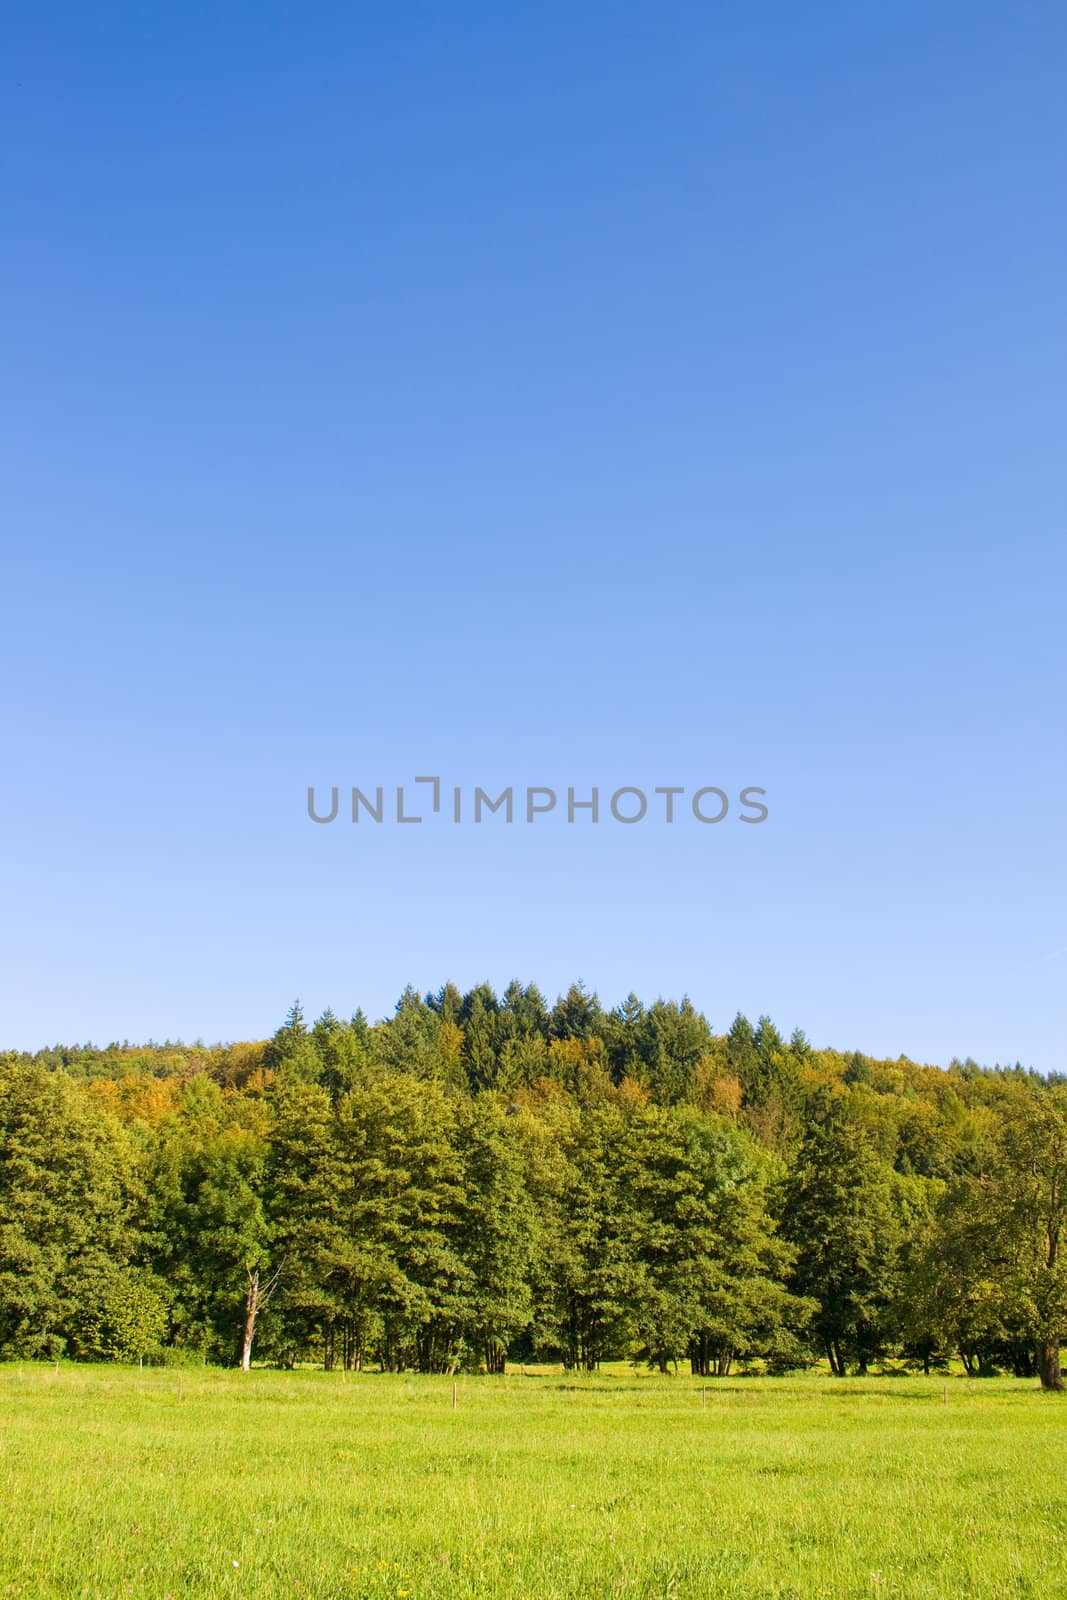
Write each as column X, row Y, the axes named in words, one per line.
column 576, row 1015
column 292, row 1050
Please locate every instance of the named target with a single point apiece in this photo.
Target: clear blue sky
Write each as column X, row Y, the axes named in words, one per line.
column 535, row 394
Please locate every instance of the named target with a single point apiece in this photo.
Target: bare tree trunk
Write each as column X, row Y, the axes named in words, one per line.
column 251, row 1313
column 1048, row 1365
column 256, row 1299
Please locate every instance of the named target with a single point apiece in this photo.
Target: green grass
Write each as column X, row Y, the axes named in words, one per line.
column 302, row 1485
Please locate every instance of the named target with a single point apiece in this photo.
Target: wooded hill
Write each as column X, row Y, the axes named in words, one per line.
column 484, row 1177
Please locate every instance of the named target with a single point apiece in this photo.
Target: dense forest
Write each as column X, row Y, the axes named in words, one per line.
column 482, row 1178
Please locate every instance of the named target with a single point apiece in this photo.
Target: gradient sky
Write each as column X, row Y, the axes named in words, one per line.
column 535, row 394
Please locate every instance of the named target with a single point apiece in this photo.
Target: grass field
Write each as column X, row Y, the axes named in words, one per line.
column 278, row 1484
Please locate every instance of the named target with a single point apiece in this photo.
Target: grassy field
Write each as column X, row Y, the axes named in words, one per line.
column 302, row 1484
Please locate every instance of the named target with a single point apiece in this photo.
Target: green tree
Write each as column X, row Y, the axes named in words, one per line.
column 292, row 1050
column 839, row 1213
column 402, row 1196
column 67, row 1187
column 589, row 1273
column 495, row 1235
column 211, row 1237
column 121, row 1315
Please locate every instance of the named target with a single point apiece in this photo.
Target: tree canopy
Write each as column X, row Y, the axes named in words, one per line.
column 480, row 1177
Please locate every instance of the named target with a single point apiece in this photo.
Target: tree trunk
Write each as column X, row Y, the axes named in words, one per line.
column 495, row 1354
column 258, row 1297
column 251, row 1313
column 1048, row 1365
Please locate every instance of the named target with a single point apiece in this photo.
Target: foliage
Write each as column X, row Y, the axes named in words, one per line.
column 481, row 1176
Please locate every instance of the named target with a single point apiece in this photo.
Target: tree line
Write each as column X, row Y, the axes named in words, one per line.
column 482, row 1178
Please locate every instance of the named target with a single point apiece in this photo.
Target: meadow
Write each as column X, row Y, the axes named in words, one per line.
column 121, row 1483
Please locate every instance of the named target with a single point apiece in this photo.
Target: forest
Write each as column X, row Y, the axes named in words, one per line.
column 483, row 1178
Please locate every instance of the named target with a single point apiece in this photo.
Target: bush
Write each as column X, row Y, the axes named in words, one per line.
column 173, row 1355
column 122, row 1314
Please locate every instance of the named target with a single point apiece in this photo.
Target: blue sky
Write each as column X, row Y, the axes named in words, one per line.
column 561, row 395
